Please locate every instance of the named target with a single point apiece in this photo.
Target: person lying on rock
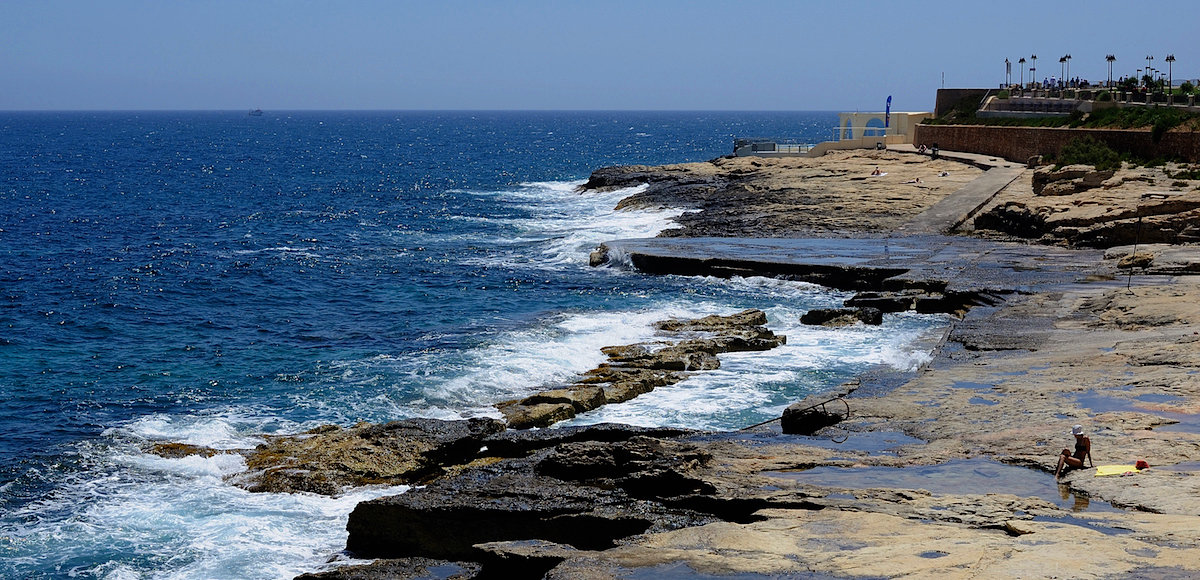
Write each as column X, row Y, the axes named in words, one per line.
column 1083, row 449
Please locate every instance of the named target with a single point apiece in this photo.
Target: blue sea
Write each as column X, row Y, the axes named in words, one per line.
column 210, row 277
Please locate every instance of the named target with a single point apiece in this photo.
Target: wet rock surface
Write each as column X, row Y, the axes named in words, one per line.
column 401, row 569
column 327, row 459
column 636, row 369
column 834, row 317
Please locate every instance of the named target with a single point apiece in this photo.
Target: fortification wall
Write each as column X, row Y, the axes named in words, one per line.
column 947, row 98
column 1020, row 143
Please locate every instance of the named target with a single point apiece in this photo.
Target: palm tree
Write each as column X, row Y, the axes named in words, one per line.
column 1033, row 67
column 1110, row 58
column 1068, row 57
column 1022, row 63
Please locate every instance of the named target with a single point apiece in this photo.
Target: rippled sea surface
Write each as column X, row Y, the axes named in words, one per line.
column 210, row 277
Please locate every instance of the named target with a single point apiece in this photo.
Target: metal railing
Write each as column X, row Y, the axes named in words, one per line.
column 848, row 133
column 792, row 147
column 783, row 146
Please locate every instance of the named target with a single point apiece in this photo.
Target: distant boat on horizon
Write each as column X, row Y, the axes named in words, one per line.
column 255, row 112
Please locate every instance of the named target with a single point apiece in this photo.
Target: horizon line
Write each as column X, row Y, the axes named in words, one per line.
column 317, row 110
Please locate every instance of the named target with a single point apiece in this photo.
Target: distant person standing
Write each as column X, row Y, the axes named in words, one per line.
column 1069, row 460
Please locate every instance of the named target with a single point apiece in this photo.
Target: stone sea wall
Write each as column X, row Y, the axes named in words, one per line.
column 1021, row 143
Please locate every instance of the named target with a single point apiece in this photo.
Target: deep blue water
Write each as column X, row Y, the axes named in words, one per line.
column 208, row 277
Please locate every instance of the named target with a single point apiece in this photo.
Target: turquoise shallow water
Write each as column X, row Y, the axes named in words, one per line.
column 209, row 277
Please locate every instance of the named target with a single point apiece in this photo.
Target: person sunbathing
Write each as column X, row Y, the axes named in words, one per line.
column 1083, row 449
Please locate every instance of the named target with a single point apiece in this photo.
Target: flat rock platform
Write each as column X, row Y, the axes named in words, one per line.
column 954, row 264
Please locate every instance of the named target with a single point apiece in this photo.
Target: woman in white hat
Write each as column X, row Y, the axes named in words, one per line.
column 1083, row 449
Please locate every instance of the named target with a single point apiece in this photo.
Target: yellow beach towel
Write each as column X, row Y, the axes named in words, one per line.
column 1102, row 470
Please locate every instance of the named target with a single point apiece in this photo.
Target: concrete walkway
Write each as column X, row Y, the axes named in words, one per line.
column 955, row 209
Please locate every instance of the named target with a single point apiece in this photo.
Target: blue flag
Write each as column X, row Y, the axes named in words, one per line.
column 887, row 114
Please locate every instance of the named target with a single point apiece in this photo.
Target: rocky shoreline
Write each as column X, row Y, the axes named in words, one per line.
column 791, row 197
column 944, row 473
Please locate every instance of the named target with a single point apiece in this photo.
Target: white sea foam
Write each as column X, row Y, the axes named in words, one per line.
column 520, row 362
column 208, row 431
column 755, row 386
column 553, row 350
column 227, row 428
column 524, row 361
column 568, row 224
column 151, row 517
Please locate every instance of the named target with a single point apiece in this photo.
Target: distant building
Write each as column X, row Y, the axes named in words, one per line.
column 854, row 131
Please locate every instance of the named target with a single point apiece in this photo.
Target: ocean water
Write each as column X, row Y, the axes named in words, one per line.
column 211, row 277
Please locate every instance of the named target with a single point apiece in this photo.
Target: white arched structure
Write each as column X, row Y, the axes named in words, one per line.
column 854, row 131
column 859, row 125
column 867, row 131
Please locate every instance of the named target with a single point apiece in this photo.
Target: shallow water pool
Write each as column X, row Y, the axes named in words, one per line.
column 968, row 476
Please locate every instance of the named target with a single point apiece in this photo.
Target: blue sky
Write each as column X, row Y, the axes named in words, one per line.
column 641, row 55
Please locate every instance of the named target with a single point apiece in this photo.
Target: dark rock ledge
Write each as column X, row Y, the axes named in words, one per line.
column 522, row 517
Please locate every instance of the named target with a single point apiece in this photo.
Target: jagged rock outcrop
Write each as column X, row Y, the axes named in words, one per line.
column 668, row 178
column 1080, row 206
column 175, row 450
column 522, row 443
column 401, row 569
column 1013, row 218
column 1068, row 180
column 523, row 558
column 636, row 369
column 864, row 304
column 835, row 317
column 327, row 459
column 584, row 494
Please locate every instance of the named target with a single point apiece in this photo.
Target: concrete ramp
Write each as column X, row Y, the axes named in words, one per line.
column 954, row 210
